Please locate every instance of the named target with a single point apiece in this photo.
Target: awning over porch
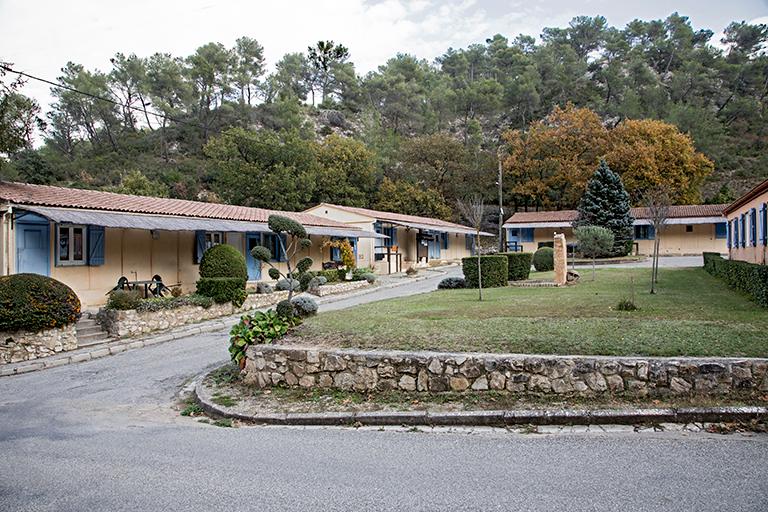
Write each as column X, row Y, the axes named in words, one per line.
column 438, row 229
column 175, row 223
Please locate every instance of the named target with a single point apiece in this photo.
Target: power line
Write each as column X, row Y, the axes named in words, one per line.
column 101, row 98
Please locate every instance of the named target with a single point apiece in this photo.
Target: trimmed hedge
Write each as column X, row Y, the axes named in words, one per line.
column 32, row 302
column 331, row 275
column 452, row 283
column 494, row 271
column 749, row 278
column 223, row 289
column 544, row 259
column 518, row 265
column 223, row 261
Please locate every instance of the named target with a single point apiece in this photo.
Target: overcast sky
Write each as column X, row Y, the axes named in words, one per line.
column 40, row 36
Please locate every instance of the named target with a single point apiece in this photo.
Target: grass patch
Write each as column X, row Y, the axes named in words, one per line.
column 223, row 400
column 191, row 408
column 692, row 314
column 223, row 422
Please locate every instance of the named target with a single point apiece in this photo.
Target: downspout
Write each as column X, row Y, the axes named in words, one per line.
column 7, row 219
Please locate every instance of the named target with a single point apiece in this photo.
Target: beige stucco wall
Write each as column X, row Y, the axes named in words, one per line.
column 674, row 240
column 757, row 254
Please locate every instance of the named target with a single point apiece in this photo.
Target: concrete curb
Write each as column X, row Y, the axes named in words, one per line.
column 502, row 418
column 208, row 326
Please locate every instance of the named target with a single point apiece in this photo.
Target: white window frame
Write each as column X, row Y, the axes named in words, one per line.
column 213, row 238
column 71, row 232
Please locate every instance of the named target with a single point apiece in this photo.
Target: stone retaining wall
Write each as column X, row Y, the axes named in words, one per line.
column 347, row 369
column 24, row 346
column 126, row 323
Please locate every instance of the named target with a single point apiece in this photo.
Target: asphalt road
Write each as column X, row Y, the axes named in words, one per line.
column 104, row 436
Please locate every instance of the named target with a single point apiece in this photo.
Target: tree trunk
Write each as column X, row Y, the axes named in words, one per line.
column 479, row 269
column 593, row 268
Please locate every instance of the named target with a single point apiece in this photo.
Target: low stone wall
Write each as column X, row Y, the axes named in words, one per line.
column 126, row 323
column 344, row 287
column 23, row 345
column 347, row 369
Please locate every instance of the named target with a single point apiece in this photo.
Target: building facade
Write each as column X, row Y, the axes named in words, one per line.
column 410, row 241
column 89, row 239
column 689, row 230
column 748, row 226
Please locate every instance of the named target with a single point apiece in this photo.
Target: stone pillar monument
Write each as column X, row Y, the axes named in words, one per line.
column 561, row 260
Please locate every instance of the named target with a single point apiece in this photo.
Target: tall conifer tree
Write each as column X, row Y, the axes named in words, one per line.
column 605, row 203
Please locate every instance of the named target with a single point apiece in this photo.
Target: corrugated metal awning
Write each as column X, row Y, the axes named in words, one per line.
column 439, row 229
column 175, row 223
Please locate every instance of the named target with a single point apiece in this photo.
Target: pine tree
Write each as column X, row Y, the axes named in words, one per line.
column 605, row 203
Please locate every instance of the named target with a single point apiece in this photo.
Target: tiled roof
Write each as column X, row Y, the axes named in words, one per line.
column 397, row 217
column 46, row 195
column 675, row 212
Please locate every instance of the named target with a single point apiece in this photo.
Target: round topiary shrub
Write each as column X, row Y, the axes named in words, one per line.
column 274, row 273
column 264, row 288
column 544, row 259
column 452, row 283
column 304, row 307
column 124, row 299
column 32, row 302
column 286, row 284
column 284, row 309
column 223, row 261
column 370, row 277
column 315, row 283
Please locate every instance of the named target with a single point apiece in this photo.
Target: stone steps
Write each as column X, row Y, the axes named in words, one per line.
column 89, row 332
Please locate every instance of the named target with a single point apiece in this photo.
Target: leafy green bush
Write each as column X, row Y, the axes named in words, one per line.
column 255, row 329
column 315, row 283
column 274, row 273
column 223, row 261
column 304, row 307
column 123, row 300
column 304, row 280
column 452, row 283
column 544, row 259
column 494, row 271
column 749, row 278
column 160, row 303
column 33, row 303
column 518, row 265
column 286, row 284
column 223, row 289
column 303, row 265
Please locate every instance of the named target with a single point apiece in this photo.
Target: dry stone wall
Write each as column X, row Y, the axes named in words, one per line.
column 19, row 346
column 348, row 369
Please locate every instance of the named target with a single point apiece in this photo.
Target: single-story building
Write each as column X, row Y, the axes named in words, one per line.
column 88, row 239
column 748, row 226
column 410, row 240
column 689, row 230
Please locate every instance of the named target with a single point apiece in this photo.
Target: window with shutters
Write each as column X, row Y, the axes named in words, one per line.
column 71, row 245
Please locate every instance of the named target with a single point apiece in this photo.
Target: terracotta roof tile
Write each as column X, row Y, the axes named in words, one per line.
column 397, row 217
column 675, row 212
column 46, row 195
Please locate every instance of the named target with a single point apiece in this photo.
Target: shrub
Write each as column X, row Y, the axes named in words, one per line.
column 544, row 259
column 123, row 300
column 626, row 305
column 749, row 278
column 341, row 274
column 33, row 303
column 322, row 280
column 287, row 284
column 358, row 274
column 264, row 288
column 176, row 291
column 223, row 261
column 494, row 271
column 518, row 265
column 370, row 277
column 304, row 307
column 223, row 289
column 303, row 265
column 284, row 309
column 160, row 303
column 315, row 283
column 305, row 279
column 258, row 328
column 274, row 273
column 331, row 276
column 452, row 283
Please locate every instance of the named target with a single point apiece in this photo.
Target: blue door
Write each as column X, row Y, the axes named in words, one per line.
column 254, row 265
column 33, row 248
column 434, row 249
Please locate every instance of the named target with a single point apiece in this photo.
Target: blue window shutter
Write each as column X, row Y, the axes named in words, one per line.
column 95, row 245
column 394, row 235
column 753, row 227
column 764, row 223
column 445, row 240
column 199, row 245
column 651, row 233
column 527, row 235
column 721, row 230
column 335, row 251
column 468, row 242
column 353, row 241
column 728, row 234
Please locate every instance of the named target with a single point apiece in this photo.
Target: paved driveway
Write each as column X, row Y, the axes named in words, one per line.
column 664, row 261
column 103, row 436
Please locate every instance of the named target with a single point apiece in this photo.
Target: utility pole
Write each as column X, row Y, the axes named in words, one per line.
column 501, row 204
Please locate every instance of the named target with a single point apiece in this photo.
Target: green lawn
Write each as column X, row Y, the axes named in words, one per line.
column 693, row 314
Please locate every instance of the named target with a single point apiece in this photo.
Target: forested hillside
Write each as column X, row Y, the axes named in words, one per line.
column 665, row 103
